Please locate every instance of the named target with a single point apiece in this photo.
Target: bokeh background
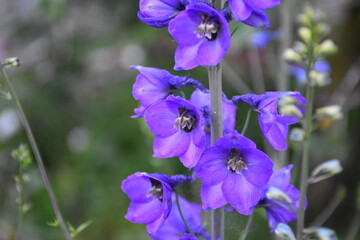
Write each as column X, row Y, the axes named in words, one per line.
column 75, row 85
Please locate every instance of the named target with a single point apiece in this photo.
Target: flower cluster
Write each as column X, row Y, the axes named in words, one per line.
column 202, row 32
column 233, row 171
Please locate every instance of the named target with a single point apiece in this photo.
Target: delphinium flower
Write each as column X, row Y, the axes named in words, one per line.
column 153, row 85
column 281, row 199
column 174, row 227
column 150, row 196
column 276, row 111
column 201, row 99
column 233, row 171
column 242, row 10
column 178, row 126
column 203, row 36
column 158, row 13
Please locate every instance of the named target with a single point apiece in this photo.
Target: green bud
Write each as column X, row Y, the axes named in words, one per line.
column 319, row 79
column 300, row 47
column 13, row 61
column 332, row 111
column 291, row 110
column 283, row 231
column 305, row 34
column 291, row 56
column 326, row 47
column 325, row 170
column 297, row 135
column 320, row 233
column 277, row 195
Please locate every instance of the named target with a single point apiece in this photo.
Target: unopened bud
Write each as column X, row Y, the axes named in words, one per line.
column 321, row 233
column 291, row 56
column 323, row 29
column 277, row 195
column 13, row 61
column 325, row 170
column 297, row 135
column 283, row 231
column 333, row 112
column 305, row 34
column 291, row 110
column 319, row 79
column 326, row 47
column 300, row 47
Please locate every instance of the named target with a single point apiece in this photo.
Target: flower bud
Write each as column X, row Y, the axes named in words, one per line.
column 291, row 110
column 321, row 233
column 325, row 170
column 300, row 47
column 333, row 112
column 326, row 47
column 291, row 56
column 277, row 195
column 323, row 29
column 320, row 79
column 288, row 106
column 297, row 135
column 13, row 61
column 283, row 231
column 305, row 34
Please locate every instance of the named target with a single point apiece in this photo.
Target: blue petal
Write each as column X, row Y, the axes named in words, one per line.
column 258, row 19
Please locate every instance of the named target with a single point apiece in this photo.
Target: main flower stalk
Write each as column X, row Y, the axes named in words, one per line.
column 306, row 151
column 215, row 85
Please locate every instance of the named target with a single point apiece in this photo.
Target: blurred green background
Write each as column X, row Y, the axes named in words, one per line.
column 75, row 85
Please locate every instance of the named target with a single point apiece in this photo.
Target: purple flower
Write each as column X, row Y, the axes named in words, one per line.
column 179, row 130
column 258, row 19
column 153, row 85
column 158, row 13
column 174, row 227
column 276, row 111
column 243, row 9
column 201, row 100
column 150, row 196
column 281, row 199
column 203, row 36
column 233, row 171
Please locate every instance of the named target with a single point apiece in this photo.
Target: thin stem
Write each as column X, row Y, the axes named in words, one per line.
column 306, row 151
column 246, row 124
column 181, row 214
column 215, row 85
column 248, row 225
column 37, row 155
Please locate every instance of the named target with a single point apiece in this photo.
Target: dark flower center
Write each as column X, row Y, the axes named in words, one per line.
column 156, row 189
column 209, row 27
column 186, row 120
column 235, row 162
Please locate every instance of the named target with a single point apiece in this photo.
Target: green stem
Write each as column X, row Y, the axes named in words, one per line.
column 181, row 214
column 215, row 85
column 37, row 155
column 248, row 225
column 306, row 151
column 246, row 124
